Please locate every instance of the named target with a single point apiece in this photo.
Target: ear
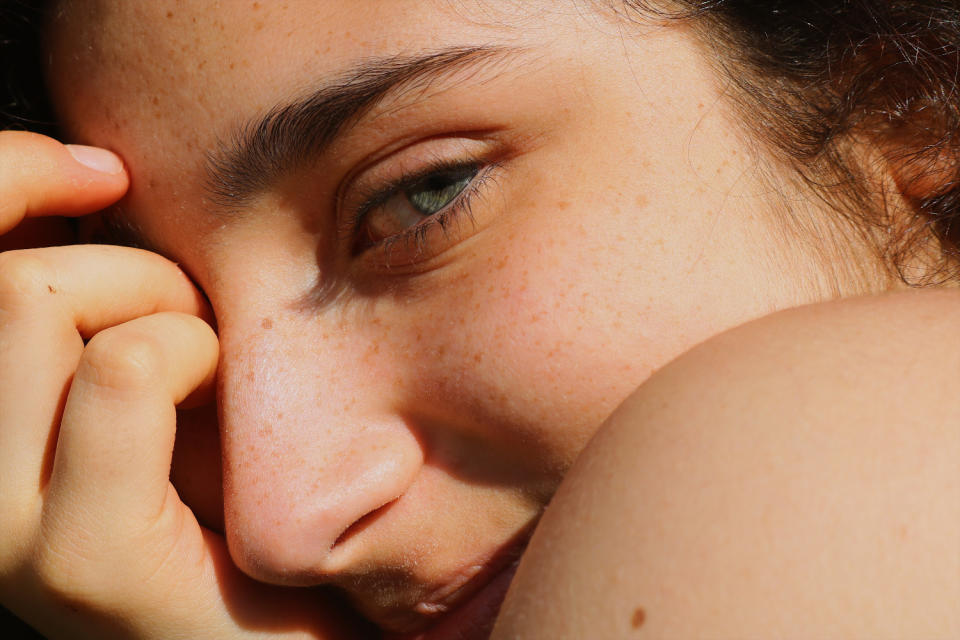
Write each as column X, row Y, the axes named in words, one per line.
column 923, row 175
column 923, row 157
column 926, row 176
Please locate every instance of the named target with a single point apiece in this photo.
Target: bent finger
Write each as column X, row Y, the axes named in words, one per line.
column 49, row 300
column 116, row 437
column 40, row 176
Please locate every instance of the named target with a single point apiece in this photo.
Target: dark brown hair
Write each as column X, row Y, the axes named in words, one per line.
column 23, row 101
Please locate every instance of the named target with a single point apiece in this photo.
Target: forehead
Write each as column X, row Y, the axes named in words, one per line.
column 198, row 61
column 163, row 81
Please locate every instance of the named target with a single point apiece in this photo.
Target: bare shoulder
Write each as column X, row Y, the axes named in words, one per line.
column 796, row 477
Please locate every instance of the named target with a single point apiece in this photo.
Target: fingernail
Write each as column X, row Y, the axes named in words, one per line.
column 96, row 158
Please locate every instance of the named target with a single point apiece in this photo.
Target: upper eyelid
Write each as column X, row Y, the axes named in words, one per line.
column 459, row 153
column 349, row 223
column 412, row 180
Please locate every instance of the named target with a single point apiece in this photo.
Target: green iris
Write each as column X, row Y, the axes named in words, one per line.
column 439, row 190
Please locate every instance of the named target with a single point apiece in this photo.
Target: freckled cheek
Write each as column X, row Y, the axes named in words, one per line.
column 528, row 342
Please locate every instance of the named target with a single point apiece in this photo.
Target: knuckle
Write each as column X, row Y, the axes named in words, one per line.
column 192, row 325
column 74, row 564
column 72, row 581
column 12, row 138
column 123, row 359
column 24, row 277
column 17, row 155
column 11, row 143
column 15, row 533
column 62, row 574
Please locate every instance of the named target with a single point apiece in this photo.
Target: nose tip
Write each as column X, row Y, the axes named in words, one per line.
column 303, row 521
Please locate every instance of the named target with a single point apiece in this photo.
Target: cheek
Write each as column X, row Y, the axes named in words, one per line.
column 537, row 343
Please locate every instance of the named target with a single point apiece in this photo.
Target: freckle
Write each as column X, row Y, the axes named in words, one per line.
column 256, row 5
column 639, row 617
column 232, row 65
column 642, row 201
column 156, row 100
column 267, row 323
column 169, row 14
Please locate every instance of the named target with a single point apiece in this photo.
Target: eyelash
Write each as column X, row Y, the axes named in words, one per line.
column 416, row 235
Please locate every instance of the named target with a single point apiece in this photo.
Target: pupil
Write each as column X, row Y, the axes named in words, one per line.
column 436, row 192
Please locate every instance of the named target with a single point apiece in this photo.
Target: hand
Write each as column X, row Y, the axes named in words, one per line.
column 39, row 177
column 98, row 346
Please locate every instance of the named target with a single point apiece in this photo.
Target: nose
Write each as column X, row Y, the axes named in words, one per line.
column 312, row 456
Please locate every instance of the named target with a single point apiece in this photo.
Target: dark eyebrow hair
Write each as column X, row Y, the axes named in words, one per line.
column 261, row 151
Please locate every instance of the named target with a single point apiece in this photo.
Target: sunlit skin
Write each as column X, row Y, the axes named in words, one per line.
column 395, row 415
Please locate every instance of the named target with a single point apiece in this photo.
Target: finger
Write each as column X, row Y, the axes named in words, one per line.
column 116, row 438
column 40, row 176
column 49, row 300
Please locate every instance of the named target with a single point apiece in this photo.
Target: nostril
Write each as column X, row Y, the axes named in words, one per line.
column 362, row 523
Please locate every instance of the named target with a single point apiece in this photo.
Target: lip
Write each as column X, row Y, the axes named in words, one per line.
column 476, row 603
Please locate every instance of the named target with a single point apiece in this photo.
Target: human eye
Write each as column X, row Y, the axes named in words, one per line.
column 416, row 210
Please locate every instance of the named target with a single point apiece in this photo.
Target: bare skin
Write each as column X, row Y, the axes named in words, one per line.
column 97, row 543
column 395, row 414
column 793, row 478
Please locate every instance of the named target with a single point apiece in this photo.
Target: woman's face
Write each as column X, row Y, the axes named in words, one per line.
column 462, row 234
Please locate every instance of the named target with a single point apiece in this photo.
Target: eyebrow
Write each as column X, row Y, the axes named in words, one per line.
column 258, row 153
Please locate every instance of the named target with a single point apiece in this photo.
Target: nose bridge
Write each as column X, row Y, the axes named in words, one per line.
column 310, row 448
